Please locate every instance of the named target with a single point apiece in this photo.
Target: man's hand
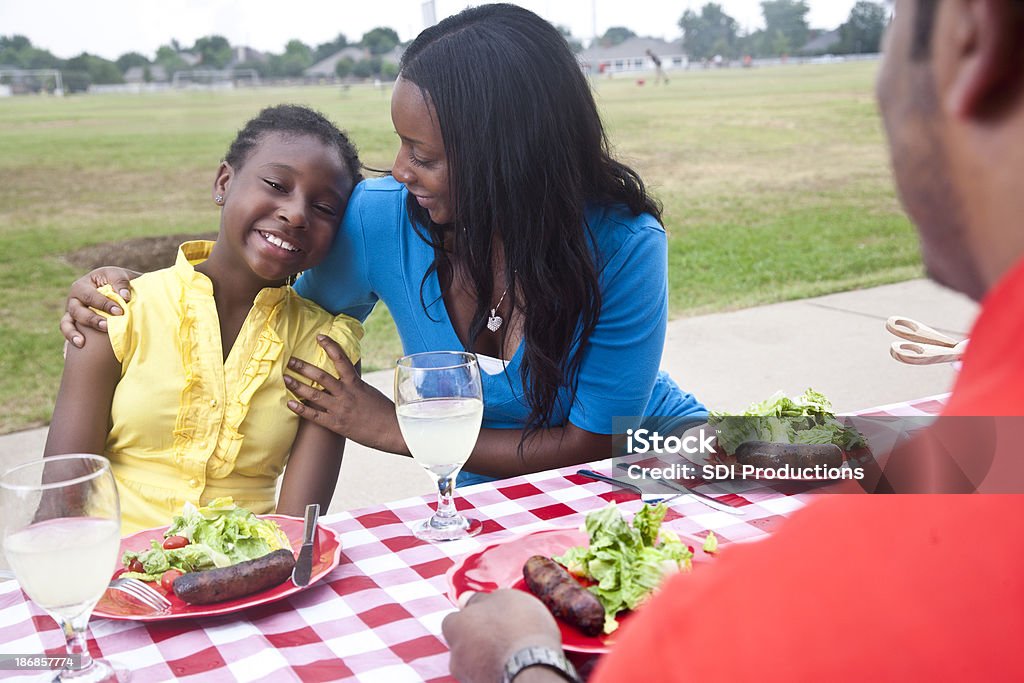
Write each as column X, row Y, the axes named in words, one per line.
column 83, row 296
column 346, row 405
column 491, row 627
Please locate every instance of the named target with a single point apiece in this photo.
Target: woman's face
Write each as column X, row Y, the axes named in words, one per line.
column 421, row 164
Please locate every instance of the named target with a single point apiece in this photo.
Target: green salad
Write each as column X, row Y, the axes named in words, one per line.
column 780, row 419
column 626, row 562
column 217, row 535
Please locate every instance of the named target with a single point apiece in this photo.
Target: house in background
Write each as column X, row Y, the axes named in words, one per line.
column 394, row 56
column 823, row 43
column 631, row 56
column 242, row 54
column 325, row 67
column 137, row 74
column 191, row 58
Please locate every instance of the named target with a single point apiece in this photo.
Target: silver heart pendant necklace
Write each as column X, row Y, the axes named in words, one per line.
column 494, row 320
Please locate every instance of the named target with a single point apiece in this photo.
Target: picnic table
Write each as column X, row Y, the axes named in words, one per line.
column 377, row 616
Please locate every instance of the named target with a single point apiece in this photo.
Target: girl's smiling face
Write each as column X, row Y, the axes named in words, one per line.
column 282, row 207
column 421, row 164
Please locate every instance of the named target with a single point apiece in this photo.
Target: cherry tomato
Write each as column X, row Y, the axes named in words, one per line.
column 172, row 542
column 137, row 567
column 167, row 580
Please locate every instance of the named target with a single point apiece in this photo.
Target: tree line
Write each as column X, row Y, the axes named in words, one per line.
column 208, row 52
column 706, row 33
column 710, row 31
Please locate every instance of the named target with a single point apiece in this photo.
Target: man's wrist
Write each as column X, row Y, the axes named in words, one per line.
column 539, row 663
column 539, row 674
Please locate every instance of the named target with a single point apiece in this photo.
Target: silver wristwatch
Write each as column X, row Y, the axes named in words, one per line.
column 537, row 655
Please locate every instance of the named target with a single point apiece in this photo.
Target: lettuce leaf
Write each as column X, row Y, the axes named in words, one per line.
column 626, row 563
column 710, row 543
column 806, row 419
column 220, row 534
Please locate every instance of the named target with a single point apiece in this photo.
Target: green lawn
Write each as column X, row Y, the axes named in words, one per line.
column 775, row 184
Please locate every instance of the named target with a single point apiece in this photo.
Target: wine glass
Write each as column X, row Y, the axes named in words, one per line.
column 61, row 532
column 439, row 402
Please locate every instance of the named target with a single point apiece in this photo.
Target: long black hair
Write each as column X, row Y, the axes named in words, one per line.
column 526, row 152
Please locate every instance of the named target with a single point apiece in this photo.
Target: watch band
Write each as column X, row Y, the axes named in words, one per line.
column 537, row 655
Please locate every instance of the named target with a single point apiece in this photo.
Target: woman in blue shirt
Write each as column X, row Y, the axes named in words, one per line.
column 506, row 228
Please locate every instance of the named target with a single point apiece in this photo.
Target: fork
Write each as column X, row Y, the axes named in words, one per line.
column 144, row 593
column 649, row 498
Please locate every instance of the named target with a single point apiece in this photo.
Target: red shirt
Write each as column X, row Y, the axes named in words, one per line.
column 991, row 381
column 858, row 587
column 855, row 588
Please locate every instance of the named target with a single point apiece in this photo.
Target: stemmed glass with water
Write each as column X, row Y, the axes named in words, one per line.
column 61, row 531
column 439, row 402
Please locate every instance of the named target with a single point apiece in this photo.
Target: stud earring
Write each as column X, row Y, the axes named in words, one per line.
column 219, row 199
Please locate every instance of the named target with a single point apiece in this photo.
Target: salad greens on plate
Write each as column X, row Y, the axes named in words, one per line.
column 626, row 562
column 217, row 535
column 807, row 419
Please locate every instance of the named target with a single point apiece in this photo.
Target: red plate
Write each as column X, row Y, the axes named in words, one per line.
column 117, row 605
column 501, row 566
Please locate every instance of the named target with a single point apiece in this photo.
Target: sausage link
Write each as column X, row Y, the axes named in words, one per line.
column 773, row 455
column 563, row 595
column 236, row 581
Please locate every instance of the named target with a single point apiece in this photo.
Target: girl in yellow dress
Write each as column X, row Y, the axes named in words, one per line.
column 185, row 395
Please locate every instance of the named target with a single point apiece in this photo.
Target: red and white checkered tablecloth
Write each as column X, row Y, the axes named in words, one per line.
column 377, row 617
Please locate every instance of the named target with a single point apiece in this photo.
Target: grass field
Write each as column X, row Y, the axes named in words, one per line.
column 775, row 184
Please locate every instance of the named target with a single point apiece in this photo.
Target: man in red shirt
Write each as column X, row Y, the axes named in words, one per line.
column 921, row 587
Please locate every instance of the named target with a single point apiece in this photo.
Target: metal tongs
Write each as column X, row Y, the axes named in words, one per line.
column 923, row 345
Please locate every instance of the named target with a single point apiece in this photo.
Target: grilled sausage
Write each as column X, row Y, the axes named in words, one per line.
column 236, row 581
column 774, row 455
column 563, row 595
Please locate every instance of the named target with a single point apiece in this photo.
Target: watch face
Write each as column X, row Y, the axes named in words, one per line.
column 540, row 656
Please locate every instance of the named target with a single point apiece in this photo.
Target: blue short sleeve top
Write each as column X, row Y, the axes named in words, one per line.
column 378, row 255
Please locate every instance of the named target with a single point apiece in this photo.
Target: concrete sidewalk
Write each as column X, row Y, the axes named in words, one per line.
column 837, row 344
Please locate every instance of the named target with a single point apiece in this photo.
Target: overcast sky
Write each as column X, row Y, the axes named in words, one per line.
column 110, row 28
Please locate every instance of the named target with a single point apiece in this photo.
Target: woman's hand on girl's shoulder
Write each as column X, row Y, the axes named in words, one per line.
column 346, row 405
column 83, row 297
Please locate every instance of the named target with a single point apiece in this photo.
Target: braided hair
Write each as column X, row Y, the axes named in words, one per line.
column 296, row 120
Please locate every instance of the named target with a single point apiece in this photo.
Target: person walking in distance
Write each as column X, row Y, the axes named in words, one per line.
column 659, row 73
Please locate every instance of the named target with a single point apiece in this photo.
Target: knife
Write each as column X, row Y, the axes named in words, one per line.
column 304, row 564
column 698, row 496
column 649, row 498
